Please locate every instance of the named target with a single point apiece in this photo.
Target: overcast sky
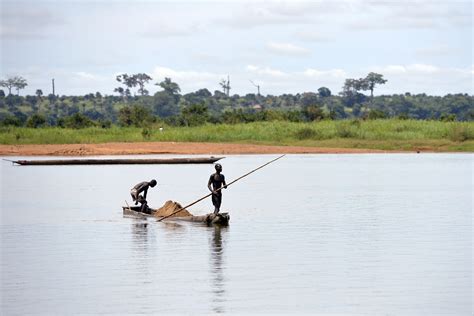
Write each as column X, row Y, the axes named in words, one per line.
column 283, row 46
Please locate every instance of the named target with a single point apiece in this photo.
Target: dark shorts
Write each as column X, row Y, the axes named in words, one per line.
column 217, row 200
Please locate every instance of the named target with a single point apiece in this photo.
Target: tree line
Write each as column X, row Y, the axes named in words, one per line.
column 134, row 106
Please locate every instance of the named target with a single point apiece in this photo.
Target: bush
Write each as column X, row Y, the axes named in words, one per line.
column 305, row 133
column 36, row 120
column 194, row 115
column 76, row 121
column 136, row 115
column 146, row 133
column 447, row 117
column 376, row 114
column 459, row 133
column 10, row 120
column 347, row 129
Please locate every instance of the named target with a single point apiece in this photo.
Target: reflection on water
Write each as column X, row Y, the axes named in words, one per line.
column 217, row 268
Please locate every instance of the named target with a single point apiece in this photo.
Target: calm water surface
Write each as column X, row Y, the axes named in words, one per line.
column 316, row 234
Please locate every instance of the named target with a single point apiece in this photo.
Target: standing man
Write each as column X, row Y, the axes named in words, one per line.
column 139, row 188
column 216, row 182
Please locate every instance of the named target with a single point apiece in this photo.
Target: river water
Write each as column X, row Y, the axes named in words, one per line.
column 382, row 234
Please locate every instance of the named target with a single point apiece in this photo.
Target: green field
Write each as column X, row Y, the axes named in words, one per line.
column 389, row 134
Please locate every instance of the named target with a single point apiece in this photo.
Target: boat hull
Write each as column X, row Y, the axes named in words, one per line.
column 219, row 219
column 147, row 161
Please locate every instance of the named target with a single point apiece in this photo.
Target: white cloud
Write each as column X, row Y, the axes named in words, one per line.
column 265, row 71
column 312, row 36
column 171, row 29
column 85, row 75
column 425, row 78
column 420, row 69
column 286, row 49
column 26, row 22
column 409, row 14
column 334, row 73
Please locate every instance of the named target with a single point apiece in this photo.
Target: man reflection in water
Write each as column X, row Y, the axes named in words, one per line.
column 137, row 198
column 216, row 182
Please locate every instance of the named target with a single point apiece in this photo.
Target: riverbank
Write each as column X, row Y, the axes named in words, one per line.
column 156, row 148
column 347, row 136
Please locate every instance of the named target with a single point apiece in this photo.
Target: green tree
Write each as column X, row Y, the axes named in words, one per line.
column 39, row 93
column 166, row 102
column 313, row 113
column 141, row 80
column 309, row 98
column 194, row 115
column 76, row 120
column 169, row 86
column 129, row 81
column 350, row 92
column 370, row 81
column 20, row 84
column 16, row 82
column 324, row 92
column 36, row 120
column 136, row 115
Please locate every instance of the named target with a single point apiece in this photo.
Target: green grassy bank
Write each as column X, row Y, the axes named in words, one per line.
column 373, row 134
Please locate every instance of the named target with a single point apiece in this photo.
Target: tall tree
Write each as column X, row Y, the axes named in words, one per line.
column 371, row 80
column 350, row 92
column 169, row 86
column 141, row 80
column 39, row 93
column 128, row 81
column 16, row 82
column 324, row 92
column 166, row 101
column 20, row 83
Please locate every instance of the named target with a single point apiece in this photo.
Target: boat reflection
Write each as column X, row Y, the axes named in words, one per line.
column 217, row 268
column 142, row 237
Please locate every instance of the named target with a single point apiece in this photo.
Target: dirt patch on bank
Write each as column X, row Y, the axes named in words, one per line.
column 147, row 148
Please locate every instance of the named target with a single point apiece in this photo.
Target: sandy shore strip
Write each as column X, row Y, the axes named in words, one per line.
column 178, row 148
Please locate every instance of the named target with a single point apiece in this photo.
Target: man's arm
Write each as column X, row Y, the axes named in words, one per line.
column 145, row 192
column 209, row 183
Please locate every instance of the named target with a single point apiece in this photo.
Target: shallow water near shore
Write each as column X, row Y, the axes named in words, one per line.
column 371, row 234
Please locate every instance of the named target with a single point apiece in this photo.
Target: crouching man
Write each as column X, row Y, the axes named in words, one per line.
column 142, row 187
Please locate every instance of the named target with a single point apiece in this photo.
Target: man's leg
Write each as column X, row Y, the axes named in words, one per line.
column 143, row 204
column 216, row 200
column 144, row 207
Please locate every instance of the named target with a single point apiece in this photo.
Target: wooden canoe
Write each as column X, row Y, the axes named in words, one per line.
column 219, row 219
column 122, row 161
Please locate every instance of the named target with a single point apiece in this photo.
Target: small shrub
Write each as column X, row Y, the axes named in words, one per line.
column 459, row 133
column 146, row 133
column 347, row 129
column 403, row 116
column 306, row 133
column 376, row 114
column 36, row 120
column 447, row 117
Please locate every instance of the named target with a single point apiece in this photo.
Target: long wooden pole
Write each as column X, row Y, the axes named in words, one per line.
column 208, row 195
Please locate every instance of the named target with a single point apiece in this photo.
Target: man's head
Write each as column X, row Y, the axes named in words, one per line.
column 152, row 183
column 218, row 167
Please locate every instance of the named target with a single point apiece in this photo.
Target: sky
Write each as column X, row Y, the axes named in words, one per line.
column 282, row 46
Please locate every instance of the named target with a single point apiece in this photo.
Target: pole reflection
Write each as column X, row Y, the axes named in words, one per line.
column 217, row 268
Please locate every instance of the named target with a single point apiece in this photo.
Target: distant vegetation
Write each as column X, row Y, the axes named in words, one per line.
column 135, row 107
column 349, row 119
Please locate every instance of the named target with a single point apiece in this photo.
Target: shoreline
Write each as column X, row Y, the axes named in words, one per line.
column 178, row 148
